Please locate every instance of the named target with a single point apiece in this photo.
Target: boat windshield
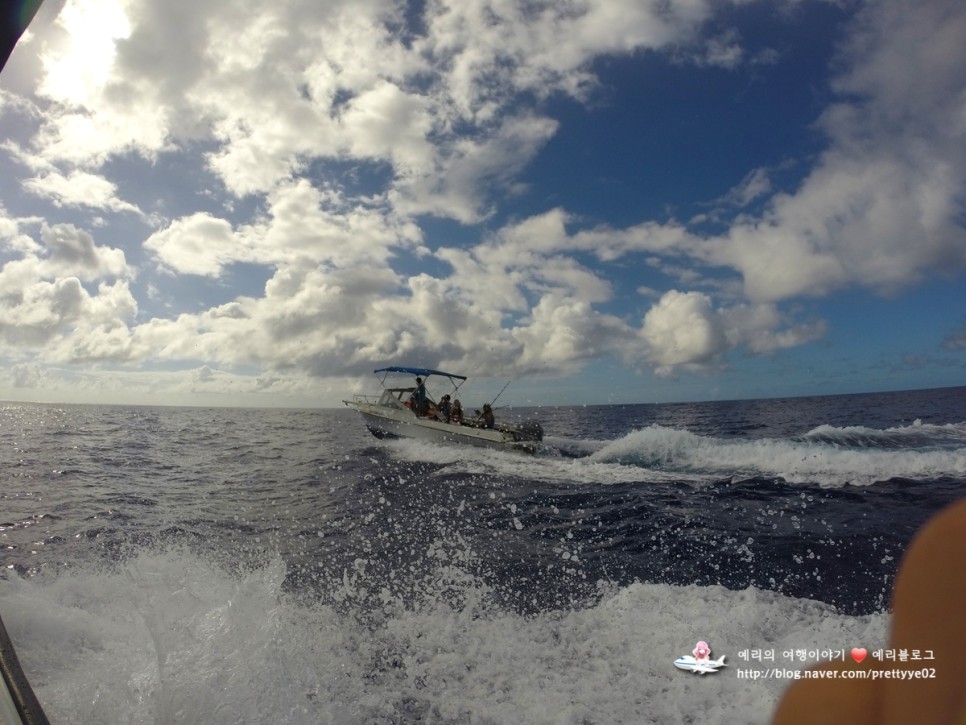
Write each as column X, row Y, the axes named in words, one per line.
column 395, row 397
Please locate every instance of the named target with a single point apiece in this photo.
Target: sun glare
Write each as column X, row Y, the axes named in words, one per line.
column 79, row 67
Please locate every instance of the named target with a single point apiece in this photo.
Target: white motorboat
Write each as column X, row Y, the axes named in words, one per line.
column 393, row 415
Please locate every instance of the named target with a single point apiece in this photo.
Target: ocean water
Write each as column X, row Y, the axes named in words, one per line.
column 167, row 565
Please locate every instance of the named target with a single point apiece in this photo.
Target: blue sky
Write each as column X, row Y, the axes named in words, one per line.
column 244, row 203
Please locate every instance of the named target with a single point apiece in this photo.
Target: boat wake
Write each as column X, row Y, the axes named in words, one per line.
column 826, row 456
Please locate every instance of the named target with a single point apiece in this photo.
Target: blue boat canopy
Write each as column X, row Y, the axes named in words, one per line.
column 425, row 372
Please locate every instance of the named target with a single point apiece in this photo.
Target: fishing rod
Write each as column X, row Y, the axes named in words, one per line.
column 501, row 392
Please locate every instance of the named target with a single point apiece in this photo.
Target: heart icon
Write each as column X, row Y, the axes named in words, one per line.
column 858, row 653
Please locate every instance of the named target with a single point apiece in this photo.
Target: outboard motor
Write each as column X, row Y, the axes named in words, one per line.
column 529, row 430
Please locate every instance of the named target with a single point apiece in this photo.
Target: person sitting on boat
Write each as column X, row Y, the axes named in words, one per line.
column 456, row 413
column 418, row 400
column 485, row 419
column 444, row 409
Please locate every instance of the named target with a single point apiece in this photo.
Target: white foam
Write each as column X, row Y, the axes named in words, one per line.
column 169, row 637
column 548, row 468
column 949, row 432
column 796, row 461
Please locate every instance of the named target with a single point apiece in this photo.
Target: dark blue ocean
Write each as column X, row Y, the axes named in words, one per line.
column 172, row 565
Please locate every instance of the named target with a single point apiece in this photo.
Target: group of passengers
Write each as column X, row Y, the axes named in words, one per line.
column 446, row 411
